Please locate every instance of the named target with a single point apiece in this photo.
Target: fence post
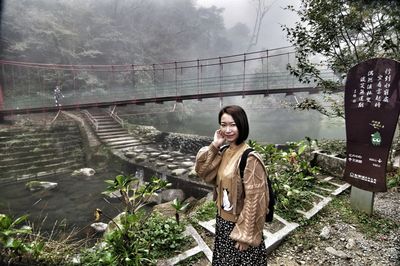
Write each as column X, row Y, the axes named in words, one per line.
column 1, row 103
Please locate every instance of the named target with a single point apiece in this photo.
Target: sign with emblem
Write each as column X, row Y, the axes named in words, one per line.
column 372, row 108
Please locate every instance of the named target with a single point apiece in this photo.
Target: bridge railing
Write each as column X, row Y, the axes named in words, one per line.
column 29, row 85
column 92, row 120
column 111, row 111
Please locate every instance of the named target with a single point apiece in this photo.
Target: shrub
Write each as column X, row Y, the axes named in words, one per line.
column 291, row 175
column 141, row 240
column 205, row 212
column 333, row 146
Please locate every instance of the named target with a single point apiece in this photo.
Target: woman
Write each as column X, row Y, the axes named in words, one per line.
column 241, row 204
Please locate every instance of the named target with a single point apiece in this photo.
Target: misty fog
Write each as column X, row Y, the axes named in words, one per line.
column 148, row 32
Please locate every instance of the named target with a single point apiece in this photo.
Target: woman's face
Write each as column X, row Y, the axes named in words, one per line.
column 229, row 128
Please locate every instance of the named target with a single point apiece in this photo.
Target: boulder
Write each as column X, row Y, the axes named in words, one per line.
column 115, row 223
column 325, row 232
column 130, row 154
column 155, row 198
column 171, row 194
column 99, row 227
column 187, row 164
column 172, row 166
column 164, row 156
column 165, row 209
column 192, row 201
column 40, row 185
column 141, row 158
column 192, row 174
column 337, row 253
column 178, row 172
column 84, row 171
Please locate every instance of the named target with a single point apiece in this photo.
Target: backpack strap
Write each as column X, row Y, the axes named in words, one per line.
column 223, row 148
column 272, row 196
column 243, row 161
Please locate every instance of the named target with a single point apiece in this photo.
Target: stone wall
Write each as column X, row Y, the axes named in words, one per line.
column 185, row 143
column 330, row 164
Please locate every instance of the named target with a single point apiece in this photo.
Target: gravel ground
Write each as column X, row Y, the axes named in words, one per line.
column 330, row 239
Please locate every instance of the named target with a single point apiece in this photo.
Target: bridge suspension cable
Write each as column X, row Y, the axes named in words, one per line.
column 30, row 87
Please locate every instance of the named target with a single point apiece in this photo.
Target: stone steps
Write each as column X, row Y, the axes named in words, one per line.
column 37, row 163
column 39, row 173
column 26, row 152
column 107, row 126
column 141, row 151
column 17, row 173
column 38, row 142
column 113, row 134
column 41, row 135
column 36, row 131
column 13, row 159
column 124, row 140
column 38, row 146
column 124, row 146
column 113, row 130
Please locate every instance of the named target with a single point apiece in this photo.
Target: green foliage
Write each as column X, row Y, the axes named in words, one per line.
column 25, row 246
column 333, row 146
column 393, row 179
column 206, row 211
column 134, row 194
column 9, row 234
column 179, row 207
column 141, row 241
column 137, row 239
column 165, row 236
column 109, row 31
column 344, row 33
column 291, row 174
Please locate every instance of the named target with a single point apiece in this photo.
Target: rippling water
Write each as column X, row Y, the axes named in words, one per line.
column 268, row 124
column 70, row 205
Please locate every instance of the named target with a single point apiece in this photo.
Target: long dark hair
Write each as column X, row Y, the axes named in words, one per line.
column 240, row 118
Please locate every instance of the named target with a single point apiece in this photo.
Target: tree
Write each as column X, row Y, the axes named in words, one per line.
column 341, row 34
column 261, row 10
column 110, row 32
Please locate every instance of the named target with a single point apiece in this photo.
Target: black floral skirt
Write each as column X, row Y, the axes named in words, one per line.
column 225, row 252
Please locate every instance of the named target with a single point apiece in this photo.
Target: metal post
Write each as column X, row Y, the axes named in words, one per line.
column 1, row 100
column 220, row 75
column 201, row 78
column 133, row 76
column 287, row 79
column 154, row 75
column 267, row 70
column 198, row 76
column 176, row 79
column 244, row 72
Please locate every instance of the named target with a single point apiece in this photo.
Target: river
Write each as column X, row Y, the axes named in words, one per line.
column 270, row 122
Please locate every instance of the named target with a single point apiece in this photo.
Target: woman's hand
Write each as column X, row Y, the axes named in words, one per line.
column 241, row 246
column 219, row 138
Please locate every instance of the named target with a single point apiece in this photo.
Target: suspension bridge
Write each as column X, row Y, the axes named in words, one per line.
column 30, row 87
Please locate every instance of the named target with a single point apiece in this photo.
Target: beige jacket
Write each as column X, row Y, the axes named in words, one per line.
column 248, row 207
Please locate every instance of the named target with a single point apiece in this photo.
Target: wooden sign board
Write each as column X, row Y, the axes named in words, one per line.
column 371, row 111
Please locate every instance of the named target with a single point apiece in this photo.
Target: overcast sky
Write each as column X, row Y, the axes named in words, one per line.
column 271, row 35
